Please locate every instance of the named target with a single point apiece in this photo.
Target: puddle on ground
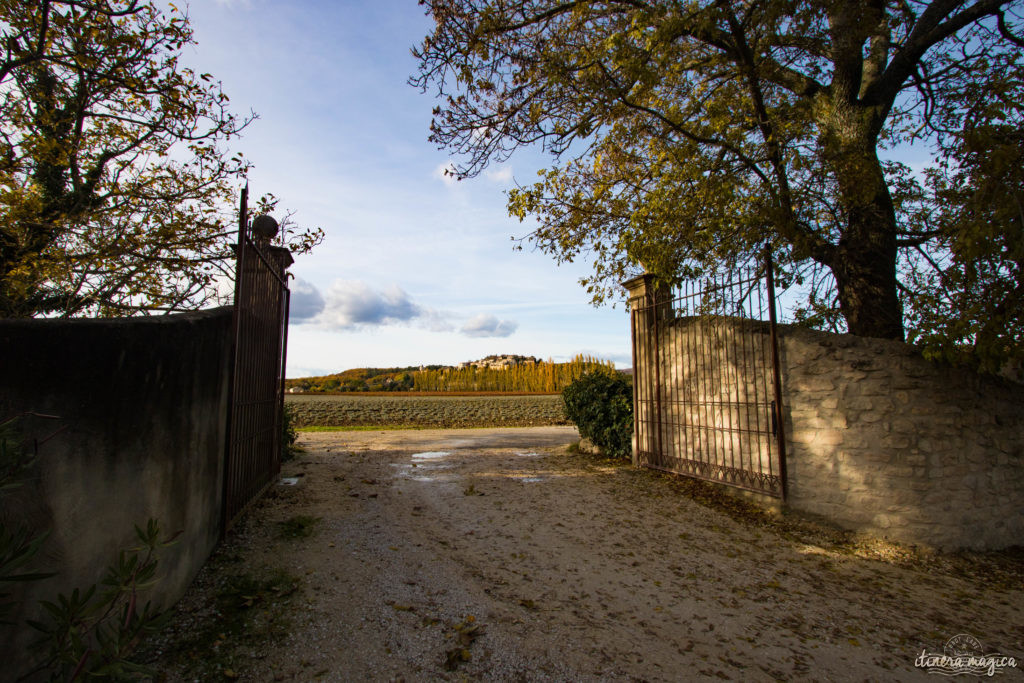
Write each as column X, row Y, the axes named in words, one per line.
column 530, row 480
column 430, row 455
column 528, row 455
column 289, row 481
column 405, row 468
column 426, row 466
column 424, row 474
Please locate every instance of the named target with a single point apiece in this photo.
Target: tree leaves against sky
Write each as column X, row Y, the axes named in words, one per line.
column 116, row 193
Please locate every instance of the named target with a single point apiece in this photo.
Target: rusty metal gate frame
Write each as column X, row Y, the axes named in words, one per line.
column 256, row 388
column 738, row 440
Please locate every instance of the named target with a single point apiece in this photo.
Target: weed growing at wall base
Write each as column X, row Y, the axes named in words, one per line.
column 247, row 613
column 91, row 633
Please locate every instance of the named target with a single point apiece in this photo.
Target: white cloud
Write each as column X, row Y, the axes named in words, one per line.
column 499, row 175
column 306, row 301
column 485, row 325
column 350, row 303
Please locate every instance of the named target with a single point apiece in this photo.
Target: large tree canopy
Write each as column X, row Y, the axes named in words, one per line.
column 115, row 195
column 691, row 132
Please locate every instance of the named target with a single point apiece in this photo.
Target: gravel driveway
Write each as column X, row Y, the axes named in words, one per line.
column 497, row 554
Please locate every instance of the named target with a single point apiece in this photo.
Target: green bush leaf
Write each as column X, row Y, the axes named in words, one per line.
column 601, row 406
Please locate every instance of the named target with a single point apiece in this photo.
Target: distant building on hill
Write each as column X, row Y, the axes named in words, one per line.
column 502, row 362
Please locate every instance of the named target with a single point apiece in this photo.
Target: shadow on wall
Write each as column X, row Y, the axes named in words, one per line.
column 142, row 405
column 882, row 441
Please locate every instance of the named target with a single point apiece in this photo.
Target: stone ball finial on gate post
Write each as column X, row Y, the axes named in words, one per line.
column 264, row 227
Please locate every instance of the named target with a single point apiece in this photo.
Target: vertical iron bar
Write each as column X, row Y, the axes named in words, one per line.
column 236, row 323
column 750, row 378
column 637, row 374
column 651, row 417
column 761, row 373
column 668, row 438
column 657, row 372
column 684, row 379
column 698, row 389
column 734, row 383
column 693, row 383
column 678, row 433
column 745, row 328
column 713, row 395
column 727, row 371
column 709, row 375
column 776, row 365
column 284, row 372
column 645, row 387
column 708, row 352
column 693, row 438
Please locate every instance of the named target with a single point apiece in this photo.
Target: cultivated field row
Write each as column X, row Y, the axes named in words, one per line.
column 352, row 410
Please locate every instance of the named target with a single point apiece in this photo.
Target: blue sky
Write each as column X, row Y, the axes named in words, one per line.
column 416, row 268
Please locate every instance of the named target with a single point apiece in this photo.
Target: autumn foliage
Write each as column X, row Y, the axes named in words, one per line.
column 687, row 134
column 547, row 377
column 117, row 192
column 541, row 377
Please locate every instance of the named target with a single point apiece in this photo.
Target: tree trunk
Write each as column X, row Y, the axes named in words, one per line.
column 864, row 262
column 865, row 272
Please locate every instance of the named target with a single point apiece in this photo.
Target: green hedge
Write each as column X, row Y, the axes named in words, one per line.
column 601, row 406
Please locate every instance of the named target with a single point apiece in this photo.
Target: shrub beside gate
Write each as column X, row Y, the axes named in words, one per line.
column 601, row 406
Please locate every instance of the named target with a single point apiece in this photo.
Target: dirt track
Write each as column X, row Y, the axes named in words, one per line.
column 498, row 555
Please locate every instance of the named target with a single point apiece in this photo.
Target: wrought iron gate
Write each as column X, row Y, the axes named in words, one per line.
column 257, row 383
column 706, row 385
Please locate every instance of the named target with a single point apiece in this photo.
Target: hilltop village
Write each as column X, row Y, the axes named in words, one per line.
column 502, row 362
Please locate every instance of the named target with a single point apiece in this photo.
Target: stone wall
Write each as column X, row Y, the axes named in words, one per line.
column 878, row 439
column 883, row 441
column 142, row 404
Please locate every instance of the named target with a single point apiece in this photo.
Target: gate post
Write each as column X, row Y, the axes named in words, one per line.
column 650, row 302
